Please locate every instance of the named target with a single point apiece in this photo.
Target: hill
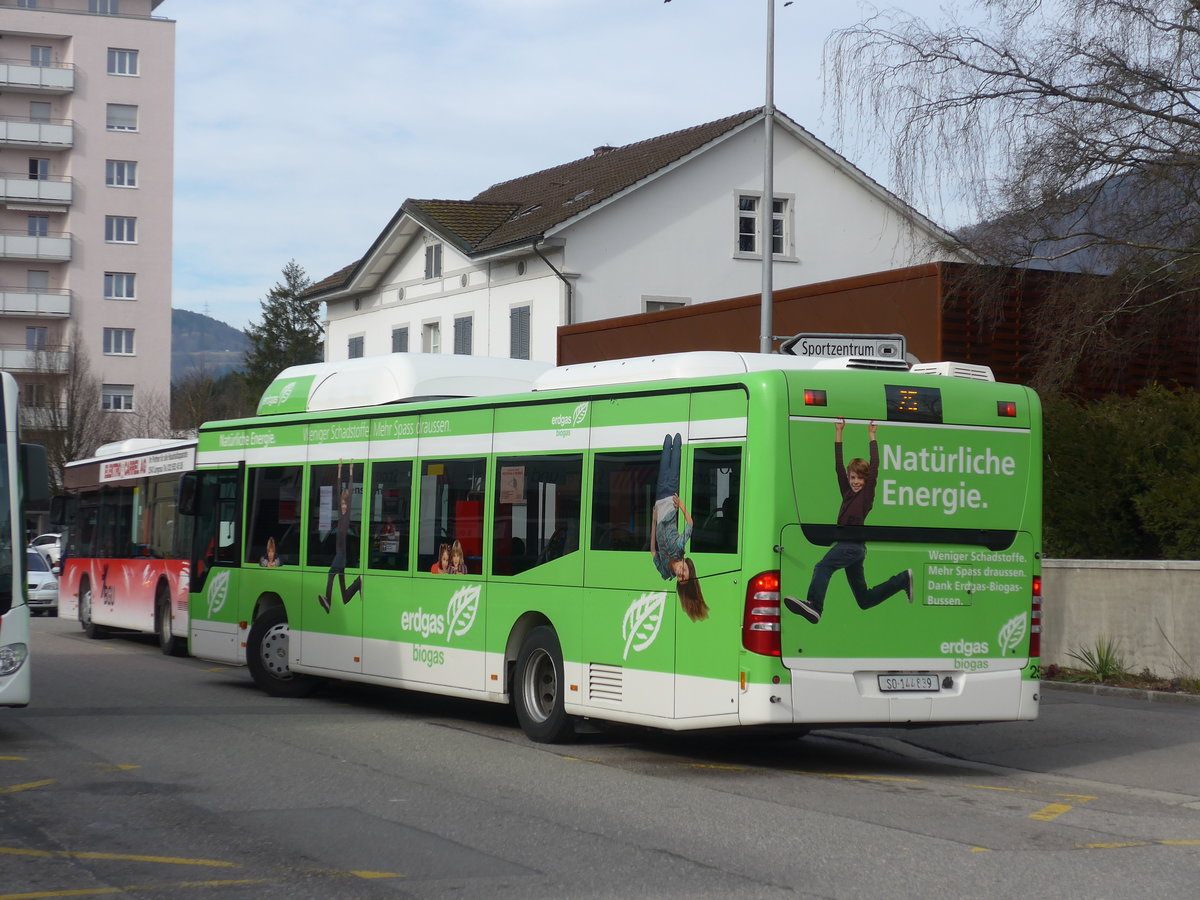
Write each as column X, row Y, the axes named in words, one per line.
column 200, row 343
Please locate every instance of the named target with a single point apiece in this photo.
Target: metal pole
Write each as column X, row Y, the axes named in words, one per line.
column 767, row 207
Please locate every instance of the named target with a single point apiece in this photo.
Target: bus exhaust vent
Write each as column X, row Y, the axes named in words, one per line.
column 879, row 365
column 605, row 683
column 955, row 370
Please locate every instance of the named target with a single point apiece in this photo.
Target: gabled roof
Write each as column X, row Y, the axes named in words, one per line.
column 521, row 211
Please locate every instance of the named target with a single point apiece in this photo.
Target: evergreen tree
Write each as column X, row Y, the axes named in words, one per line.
column 288, row 335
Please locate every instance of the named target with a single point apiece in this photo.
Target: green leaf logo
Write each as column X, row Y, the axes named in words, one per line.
column 218, row 592
column 642, row 621
column 1012, row 633
column 581, row 412
column 461, row 611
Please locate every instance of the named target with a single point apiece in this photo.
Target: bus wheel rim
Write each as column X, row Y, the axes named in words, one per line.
column 540, row 685
column 273, row 651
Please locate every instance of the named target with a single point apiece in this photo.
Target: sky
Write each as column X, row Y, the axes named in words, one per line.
column 301, row 126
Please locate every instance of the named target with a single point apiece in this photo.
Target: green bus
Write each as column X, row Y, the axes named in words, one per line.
column 689, row 541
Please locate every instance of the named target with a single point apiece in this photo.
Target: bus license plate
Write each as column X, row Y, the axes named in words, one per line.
column 888, row 683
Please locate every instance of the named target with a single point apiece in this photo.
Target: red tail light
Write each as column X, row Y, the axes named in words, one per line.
column 760, row 625
column 1035, row 619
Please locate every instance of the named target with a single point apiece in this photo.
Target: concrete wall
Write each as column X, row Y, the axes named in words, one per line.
column 1151, row 607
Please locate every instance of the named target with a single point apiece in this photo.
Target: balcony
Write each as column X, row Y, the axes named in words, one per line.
column 38, row 418
column 55, row 190
column 55, row 246
column 46, row 360
column 21, row 77
column 44, row 303
column 50, row 134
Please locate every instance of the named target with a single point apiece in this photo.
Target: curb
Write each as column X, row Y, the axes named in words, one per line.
column 1105, row 690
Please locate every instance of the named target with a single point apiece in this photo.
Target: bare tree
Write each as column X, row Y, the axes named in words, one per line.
column 1070, row 128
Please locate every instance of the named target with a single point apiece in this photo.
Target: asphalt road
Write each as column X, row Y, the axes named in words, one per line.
column 135, row 774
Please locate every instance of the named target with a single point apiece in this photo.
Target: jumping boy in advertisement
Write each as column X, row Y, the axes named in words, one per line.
column 857, row 485
column 338, row 567
column 666, row 542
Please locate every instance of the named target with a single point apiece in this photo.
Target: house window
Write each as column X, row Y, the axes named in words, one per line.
column 431, row 337
column 39, row 56
column 104, row 7
column 120, row 173
column 119, row 285
column 39, row 169
column 39, row 111
column 433, row 261
column 519, row 332
column 354, row 348
column 120, row 229
column 37, row 226
column 121, row 117
column 748, row 222
column 400, row 340
column 37, row 280
column 36, row 395
column 118, row 341
column 35, row 337
column 27, row 4
column 462, row 335
column 122, row 62
column 658, row 304
column 117, row 397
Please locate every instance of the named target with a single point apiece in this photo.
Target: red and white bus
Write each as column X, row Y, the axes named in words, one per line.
column 124, row 554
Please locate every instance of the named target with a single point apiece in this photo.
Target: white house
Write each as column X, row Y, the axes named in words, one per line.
column 663, row 222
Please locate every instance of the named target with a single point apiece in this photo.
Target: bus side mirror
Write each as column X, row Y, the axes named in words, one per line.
column 187, row 493
column 35, row 471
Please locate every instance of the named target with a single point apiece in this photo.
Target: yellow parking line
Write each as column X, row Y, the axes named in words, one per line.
column 1051, row 812
column 13, row 759
column 13, row 788
column 857, row 777
column 84, row 854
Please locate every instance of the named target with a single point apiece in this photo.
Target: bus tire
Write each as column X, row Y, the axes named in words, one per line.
column 170, row 645
column 90, row 628
column 538, row 689
column 267, row 657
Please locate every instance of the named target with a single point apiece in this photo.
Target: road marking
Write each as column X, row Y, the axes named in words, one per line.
column 1051, row 812
column 857, row 777
column 12, row 789
column 14, row 759
column 131, row 888
column 129, row 857
column 114, row 767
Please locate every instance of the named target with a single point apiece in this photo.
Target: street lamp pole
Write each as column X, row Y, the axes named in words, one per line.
column 766, row 211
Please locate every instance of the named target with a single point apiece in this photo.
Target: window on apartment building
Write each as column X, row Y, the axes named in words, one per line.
column 36, row 337
column 431, row 337
column 104, row 7
column 119, row 285
column 118, row 341
column 354, row 348
column 36, row 395
column 116, row 397
column 120, row 173
column 658, row 304
column 433, row 261
column 39, row 56
column 39, row 169
column 121, row 117
column 748, row 225
column 120, row 229
column 518, row 327
column 37, row 280
column 27, row 4
column 39, row 111
column 37, row 226
column 400, row 340
column 122, row 62
column 463, row 326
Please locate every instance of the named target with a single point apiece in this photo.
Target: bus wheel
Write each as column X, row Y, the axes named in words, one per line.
column 538, row 689
column 267, row 657
column 171, row 645
column 90, row 628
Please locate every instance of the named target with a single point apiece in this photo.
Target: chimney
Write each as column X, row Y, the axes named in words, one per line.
column 602, row 149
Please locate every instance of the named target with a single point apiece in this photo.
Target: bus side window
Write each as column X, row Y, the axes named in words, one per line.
column 451, row 498
column 537, row 511
column 274, row 510
column 623, row 500
column 716, row 492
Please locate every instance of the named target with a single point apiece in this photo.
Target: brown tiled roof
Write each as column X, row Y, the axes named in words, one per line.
column 517, row 211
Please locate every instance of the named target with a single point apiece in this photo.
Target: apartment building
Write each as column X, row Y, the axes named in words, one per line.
column 86, row 166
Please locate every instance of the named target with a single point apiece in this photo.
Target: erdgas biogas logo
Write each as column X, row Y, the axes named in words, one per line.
column 642, row 621
column 1011, row 635
column 572, row 420
column 454, row 622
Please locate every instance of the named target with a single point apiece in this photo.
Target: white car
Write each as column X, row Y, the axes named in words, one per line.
column 49, row 546
column 42, row 584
